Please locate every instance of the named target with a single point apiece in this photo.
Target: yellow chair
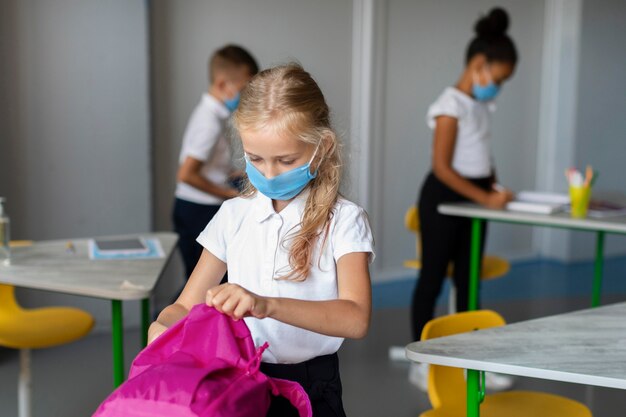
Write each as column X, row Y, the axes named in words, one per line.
column 447, row 387
column 27, row 329
column 492, row 266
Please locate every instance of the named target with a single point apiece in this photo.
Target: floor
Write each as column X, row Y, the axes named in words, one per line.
column 70, row 381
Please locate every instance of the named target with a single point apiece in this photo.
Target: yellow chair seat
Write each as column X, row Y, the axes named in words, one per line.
column 35, row 328
column 43, row 327
column 493, row 267
column 413, row 264
column 520, row 404
column 447, row 388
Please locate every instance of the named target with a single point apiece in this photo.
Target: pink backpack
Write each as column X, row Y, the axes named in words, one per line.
column 203, row 366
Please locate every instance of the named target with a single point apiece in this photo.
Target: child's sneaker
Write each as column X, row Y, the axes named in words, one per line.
column 498, row 382
column 397, row 354
column 418, row 375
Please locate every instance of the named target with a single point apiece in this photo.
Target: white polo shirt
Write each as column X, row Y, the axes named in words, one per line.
column 249, row 236
column 472, row 150
column 204, row 140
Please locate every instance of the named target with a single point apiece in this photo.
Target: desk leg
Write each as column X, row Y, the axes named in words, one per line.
column 475, row 394
column 145, row 321
column 598, row 270
column 118, row 343
column 474, row 264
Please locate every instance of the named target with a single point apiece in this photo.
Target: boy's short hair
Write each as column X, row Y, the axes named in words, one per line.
column 229, row 57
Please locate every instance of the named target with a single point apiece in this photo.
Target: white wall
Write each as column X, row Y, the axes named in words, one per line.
column 601, row 121
column 184, row 34
column 74, row 122
column 7, row 75
column 426, row 43
column 75, row 149
column 421, row 56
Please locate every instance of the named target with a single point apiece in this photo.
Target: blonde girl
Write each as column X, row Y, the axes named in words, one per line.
column 297, row 253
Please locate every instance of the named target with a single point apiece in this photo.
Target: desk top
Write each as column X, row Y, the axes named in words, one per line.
column 613, row 224
column 585, row 347
column 46, row 265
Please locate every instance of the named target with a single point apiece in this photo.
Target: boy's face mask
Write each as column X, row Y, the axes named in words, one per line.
column 232, row 103
column 284, row 186
column 484, row 92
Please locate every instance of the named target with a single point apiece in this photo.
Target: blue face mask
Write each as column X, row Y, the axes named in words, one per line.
column 232, row 103
column 485, row 92
column 284, row 186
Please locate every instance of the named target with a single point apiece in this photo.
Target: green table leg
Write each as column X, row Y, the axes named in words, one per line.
column 145, row 321
column 475, row 392
column 598, row 270
column 474, row 264
column 118, row 343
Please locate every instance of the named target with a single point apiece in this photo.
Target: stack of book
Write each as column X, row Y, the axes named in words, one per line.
column 538, row 202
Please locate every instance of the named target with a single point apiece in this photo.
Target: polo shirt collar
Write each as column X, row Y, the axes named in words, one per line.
column 216, row 106
column 293, row 211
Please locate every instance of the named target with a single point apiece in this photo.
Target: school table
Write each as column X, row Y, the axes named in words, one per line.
column 57, row 266
column 562, row 220
column 583, row 347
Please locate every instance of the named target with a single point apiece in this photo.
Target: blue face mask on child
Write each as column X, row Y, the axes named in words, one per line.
column 232, row 103
column 284, row 186
column 485, row 92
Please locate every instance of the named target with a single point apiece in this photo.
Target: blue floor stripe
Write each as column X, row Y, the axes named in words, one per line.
column 533, row 279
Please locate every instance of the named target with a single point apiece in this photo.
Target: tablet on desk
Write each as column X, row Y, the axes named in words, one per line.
column 126, row 246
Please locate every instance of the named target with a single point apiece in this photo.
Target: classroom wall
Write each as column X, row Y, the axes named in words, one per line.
column 184, row 34
column 74, row 123
column 7, row 73
column 426, row 44
column 601, row 125
column 75, row 126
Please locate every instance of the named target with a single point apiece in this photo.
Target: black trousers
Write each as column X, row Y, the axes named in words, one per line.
column 320, row 379
column 444, row 239
column 189, row 220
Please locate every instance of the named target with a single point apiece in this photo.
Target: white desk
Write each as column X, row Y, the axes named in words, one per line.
column 47, row 265
column 479, row 214
column 584, row 347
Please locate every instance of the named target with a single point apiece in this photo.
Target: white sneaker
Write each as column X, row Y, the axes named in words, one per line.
column 498, row 382
column 397, row 354
column 418, row 375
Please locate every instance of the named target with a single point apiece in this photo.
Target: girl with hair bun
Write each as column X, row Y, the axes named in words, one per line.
column 462, row 169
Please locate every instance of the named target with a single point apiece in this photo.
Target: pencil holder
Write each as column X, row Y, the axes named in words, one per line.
column 579, row 197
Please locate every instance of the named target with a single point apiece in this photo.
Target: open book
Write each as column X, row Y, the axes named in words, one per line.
column 538, row 202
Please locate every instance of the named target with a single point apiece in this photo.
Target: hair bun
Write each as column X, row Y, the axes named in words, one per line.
column 493, row 25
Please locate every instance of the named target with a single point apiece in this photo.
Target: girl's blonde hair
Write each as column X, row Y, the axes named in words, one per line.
column 286, row 99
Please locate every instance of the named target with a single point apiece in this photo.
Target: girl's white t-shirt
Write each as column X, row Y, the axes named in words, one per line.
column 472, row 150
column 252, row 239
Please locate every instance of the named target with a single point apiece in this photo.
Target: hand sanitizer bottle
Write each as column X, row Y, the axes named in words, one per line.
column 5, row 238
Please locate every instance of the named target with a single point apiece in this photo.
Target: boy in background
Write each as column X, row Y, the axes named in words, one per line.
column 206, row 169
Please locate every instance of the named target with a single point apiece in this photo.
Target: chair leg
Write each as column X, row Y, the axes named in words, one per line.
column 24, row 385
column 452, row 298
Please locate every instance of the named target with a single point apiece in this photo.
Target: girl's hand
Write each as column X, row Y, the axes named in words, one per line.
column 498, row 199
column 237, row 302
column 156, row 329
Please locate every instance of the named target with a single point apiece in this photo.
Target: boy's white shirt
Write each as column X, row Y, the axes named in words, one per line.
column 204, row 140
column 472, row 150
column 249, row 236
